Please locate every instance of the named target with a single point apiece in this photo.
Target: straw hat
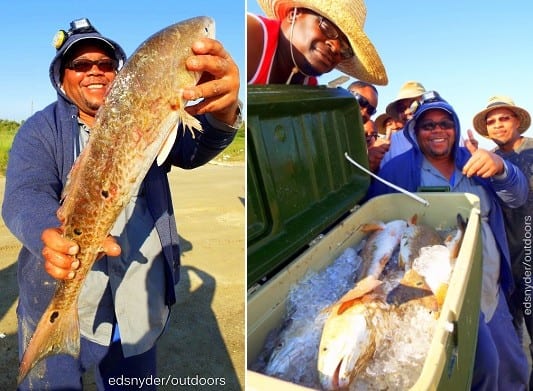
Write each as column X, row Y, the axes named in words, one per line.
column 349, row 16
column 496, row 102
column 380, row 122
column 410, row 89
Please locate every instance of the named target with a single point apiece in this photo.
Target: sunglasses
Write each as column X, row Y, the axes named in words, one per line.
column 330, row 31
column 364, row 103
column 503, row 118
column 431, row 125
column 85, row 65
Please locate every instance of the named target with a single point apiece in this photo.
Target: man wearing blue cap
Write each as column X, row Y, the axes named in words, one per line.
column 437, row 159
column 118, row 332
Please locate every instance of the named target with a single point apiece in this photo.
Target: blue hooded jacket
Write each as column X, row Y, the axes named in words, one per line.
column 405, row 171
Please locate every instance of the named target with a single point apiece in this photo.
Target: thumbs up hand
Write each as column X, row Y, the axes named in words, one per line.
column 482, row 163
column 471, row 140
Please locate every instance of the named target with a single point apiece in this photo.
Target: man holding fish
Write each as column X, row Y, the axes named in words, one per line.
column 123, row 300
column 437, row 160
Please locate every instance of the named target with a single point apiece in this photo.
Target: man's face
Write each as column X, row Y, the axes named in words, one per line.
column 371, row 98
column 435, row 133
column 88, row 87
column 405, row 109
column 502, row 126
column 391, row 125
column 319, row 45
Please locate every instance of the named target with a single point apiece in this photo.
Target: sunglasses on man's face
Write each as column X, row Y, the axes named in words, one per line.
column 432, row 125
column 364, row 103
column 85, row 65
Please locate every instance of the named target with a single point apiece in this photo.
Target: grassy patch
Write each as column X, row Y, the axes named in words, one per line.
column 235, row 151
column 7, row 133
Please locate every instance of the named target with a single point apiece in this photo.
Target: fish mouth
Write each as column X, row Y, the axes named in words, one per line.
column 335, row 381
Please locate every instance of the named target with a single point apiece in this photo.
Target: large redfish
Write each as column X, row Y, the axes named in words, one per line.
column 137, row 122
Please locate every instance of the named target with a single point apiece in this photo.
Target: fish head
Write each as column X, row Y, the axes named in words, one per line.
column 172, row 46
column 293, row 346
column 344, row 348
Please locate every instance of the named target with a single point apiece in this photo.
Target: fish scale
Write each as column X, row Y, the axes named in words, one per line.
column 137, row 122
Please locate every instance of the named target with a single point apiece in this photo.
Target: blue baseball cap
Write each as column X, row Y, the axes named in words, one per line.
column 80, row 30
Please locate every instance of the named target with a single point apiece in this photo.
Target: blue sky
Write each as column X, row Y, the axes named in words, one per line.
column 27, row 29
column 466, row 50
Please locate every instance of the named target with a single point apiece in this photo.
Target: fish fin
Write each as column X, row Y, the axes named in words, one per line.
column 413, row 220
column 364, row 286
column 171, row 121
column 366, row 298
column 454, row 242
column 402, row 264
column 440, row 294
column 371, row 227
column 57, row 332
column 176, row 117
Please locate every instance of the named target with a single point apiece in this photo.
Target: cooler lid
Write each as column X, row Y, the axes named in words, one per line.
column 298, row 181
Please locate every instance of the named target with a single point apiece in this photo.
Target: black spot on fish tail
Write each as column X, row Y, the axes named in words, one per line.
column 105, row 193
column 54, row 316
column 77, row 231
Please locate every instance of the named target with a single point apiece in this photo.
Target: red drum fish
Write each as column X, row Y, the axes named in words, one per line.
column 136, row 124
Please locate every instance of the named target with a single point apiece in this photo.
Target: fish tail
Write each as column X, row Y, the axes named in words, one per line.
column 57, row 332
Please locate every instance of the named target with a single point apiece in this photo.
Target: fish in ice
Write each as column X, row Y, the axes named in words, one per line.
column 136, row 124
column 348, row 338
column 413, row 289
column 414, row 237
column 454, row 242
column 290, row 351
column 357, row 324
column 379, row 246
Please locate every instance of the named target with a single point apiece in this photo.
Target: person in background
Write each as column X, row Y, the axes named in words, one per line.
column 402, row 109
column 126, row 298
column 437, row 159
column 371, row 132
column 300, row 40
column 366, row 96
column 387, row 126
column 504, row 123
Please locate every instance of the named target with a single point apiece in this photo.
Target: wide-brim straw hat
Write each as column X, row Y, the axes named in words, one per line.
column 409, row 90
column 349, row 16
column 380, row 123
column 497, row 102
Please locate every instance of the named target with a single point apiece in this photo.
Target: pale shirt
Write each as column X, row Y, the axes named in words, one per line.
column 129, row 289
column 398, row 145
column 490, row 285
